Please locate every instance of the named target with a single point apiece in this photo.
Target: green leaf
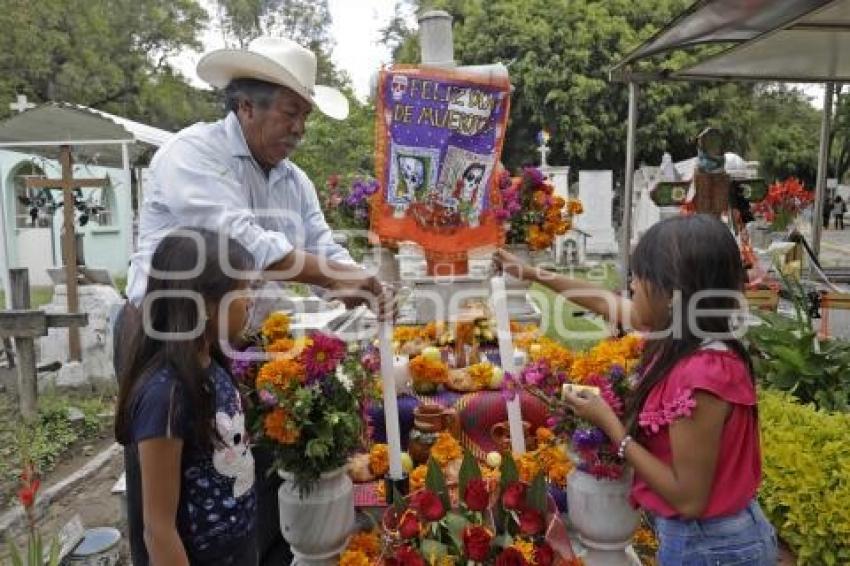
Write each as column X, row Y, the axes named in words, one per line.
column 436, row 482
column 535, row 497
column 433, row 549
column 14, row 553
column 468, row 470
column 455, row 523
column 509, row 472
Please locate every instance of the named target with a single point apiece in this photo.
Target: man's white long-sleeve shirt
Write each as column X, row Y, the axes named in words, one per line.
column 205, row 177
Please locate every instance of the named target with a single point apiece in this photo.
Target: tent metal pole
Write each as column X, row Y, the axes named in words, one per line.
column 628, row 188
column 823, row 166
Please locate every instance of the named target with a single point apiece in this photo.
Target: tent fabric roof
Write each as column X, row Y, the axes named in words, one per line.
column 814, row 48
column 96, row 136
column 789, row 40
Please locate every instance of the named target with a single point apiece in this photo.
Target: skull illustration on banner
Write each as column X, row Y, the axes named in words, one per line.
column 439, row 140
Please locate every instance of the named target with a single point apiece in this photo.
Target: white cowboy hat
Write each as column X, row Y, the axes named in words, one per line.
column 277, row 60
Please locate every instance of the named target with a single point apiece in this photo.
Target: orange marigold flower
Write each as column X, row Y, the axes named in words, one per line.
column 279, row 427
column 527, row 466
column 275, row 326
column 544, row 435
column 575, row 207
column 405, row 333
column 280, row 373
column 417, row 478
column 428, row 370
column 446, row 448
column 367, row 543
column 281, row 346
column 558, row 202
column 526, row 548
column 379, row 459
column 559, row 472
column 354, row 558
column 481, row 374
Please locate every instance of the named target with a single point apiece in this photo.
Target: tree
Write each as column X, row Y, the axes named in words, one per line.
column 559, row 53
column 840, row 135
column 108, row 54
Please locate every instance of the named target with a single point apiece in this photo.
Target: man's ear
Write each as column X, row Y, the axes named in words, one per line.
column 245, row 108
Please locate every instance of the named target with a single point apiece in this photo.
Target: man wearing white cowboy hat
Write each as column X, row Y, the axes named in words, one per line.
column 234, row 176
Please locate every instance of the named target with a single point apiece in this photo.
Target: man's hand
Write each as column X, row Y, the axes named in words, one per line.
column 357, row 287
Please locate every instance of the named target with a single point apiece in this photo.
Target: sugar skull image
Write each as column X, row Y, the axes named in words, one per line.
column 412, row 172
column 399, row 87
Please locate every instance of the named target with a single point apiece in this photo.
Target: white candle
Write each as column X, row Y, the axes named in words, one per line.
column 390, row 401
column 506, row 353
column 401, row 373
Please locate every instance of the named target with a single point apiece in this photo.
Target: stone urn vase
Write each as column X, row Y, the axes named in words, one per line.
column 599, row 510
column 318, row 525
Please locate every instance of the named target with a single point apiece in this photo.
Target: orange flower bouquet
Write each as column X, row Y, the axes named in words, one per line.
column 309, row 399
column 533, row 214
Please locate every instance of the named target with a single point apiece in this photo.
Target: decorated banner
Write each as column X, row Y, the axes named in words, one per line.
column 439, row 139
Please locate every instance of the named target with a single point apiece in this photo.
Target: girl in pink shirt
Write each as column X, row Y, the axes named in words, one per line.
column 691, row 431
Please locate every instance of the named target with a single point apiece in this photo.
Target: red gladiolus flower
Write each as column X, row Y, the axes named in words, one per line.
column 476, row 495
column 511, row 557
column 476, row 543
column 544, row 555
column 29, row 486
column 530, row 522
column 429, row 505
column 409, row 525
column 514, row 495
column 406, row 556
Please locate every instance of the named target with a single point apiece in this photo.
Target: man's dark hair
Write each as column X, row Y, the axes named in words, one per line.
column 260, row 93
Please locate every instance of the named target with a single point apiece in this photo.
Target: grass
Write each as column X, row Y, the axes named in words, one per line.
column 563, row 320
column 39, row 296
column 49, row 438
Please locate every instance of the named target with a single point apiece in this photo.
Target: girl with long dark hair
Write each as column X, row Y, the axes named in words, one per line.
column 190, row 488
column 691, row 431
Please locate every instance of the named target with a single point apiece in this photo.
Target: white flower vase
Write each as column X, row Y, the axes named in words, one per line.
column 599, row 510
column 319, row 525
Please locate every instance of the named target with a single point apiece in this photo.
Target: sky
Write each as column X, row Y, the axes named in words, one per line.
column 355, row 30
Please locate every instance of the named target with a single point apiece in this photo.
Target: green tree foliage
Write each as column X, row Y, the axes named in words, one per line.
column 109, row 54
column 559, row 53
column 840, row 138
column 331, row 147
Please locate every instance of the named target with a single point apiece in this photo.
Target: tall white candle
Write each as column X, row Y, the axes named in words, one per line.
column 506, row 353
column 390, row 401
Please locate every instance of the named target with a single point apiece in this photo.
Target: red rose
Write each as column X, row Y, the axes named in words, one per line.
column 514, row 495
column 428, row 504
column 544, row 555
column 406, row 556
column 476, row 495
column 409, row 525
column 530, row 522
column 476, row 543
column 511, row 557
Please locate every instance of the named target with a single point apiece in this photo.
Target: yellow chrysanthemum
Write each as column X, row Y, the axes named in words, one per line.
column 276, row 326
column 353, row 558
column 405, row 333
column 379, row 459
column 446, row 448
column 526, row 548
column 280, row 373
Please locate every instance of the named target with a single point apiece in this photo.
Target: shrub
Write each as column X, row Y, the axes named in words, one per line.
column 806, row 478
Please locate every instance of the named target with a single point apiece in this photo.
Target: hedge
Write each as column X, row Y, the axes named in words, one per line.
column 806, row 478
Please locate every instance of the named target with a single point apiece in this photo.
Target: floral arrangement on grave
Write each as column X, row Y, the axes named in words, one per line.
column 606, row 371
column 346, row 202
column 785, row 200
column 498, row 523
column 35, row 553
column 530, row 211
column 309, row 399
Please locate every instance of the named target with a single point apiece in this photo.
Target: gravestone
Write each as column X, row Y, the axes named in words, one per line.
column 597, row 194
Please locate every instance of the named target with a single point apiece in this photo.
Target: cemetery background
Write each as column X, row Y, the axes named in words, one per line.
column 771, row 124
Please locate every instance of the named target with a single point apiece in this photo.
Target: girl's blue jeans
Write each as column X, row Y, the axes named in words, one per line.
column 743, row 539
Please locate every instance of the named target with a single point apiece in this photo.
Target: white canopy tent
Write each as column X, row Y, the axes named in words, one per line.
column 804, row 41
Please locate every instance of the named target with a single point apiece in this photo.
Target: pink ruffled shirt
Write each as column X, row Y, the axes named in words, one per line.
column 738, row 474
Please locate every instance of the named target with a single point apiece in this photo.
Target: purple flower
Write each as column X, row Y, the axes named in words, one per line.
column 241, row 365
column 267, row 398
column 371, row 359
column 588, row 438
column 510, row 386
column 534, row 175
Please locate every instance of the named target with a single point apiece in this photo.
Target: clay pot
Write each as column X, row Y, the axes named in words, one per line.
column 428, row 422
column 501, row 435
